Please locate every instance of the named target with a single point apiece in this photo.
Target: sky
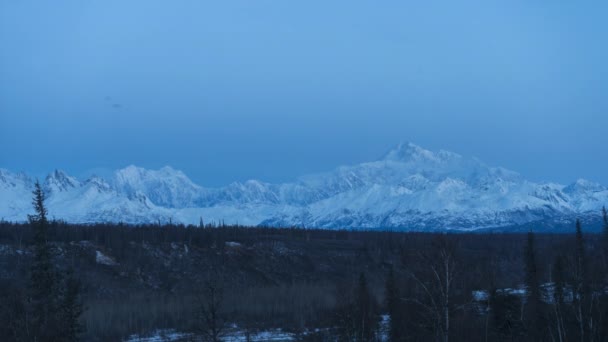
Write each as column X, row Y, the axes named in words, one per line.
column 272, row 90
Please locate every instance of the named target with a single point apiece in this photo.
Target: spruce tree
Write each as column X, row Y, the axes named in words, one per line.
column 531, row 280
column 505, row 316
column 559, row 283
column 559, row 280
column 532, row 314
column 71, row 309
column 366, row 319
column 43, row 298
column 344, row 313
column 54, row 300
column 581, row 282
column 393, row 306
column 605, row 233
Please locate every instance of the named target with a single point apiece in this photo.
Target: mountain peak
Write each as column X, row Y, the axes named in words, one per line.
column 58, row 180
column 171, row 172
column 168, row 169
column 410, row 152
column 98, row 182
column 130, row 170
column 583, row 185
column 164, row 187
column 4, row 175
column 9, row 178
column 132, row 173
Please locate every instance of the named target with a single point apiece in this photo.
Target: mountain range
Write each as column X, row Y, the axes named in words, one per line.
column 409, row 188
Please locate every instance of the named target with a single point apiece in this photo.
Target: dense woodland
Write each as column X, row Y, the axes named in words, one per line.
column 104, row 282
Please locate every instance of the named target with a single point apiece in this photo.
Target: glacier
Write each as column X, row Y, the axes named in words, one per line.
column 409, row 188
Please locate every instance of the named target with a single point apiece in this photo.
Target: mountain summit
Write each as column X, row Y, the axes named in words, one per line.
column 409, row 152
column 409, row 188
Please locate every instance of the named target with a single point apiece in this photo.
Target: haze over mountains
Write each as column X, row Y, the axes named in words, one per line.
column 409, row 188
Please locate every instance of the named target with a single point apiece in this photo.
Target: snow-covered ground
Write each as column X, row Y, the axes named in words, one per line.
column 547, row 293
column 160, row 336
column 234, row 334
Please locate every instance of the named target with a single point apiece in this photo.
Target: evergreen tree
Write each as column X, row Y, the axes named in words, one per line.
column 71, row 309
column 394, row 308
column 559, row 283
column 559, row 280
column 580, row 252
column 532, row 313
column 13, row 312
column 605, row 233
column 366, row 318
column 582, row 296
column 344, row 314
column 54, row 301
column 505, row 316
column 43, row 299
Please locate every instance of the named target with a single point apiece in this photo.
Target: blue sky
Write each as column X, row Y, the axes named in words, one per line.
column 232, row 90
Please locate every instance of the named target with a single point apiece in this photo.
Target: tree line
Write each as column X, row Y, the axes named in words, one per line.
column 48, row 307
column 569, row 303
column 320, row 285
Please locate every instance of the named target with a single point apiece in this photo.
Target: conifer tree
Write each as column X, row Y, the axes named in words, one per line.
column 392, row 298
column 605, row 233
column 43, row 299
column 532, row 313
column 559, row 283
column 582, row 299
column 344, row 313
column 71, row 308
column 366, row 319
column 54, row 300
column 505, row 316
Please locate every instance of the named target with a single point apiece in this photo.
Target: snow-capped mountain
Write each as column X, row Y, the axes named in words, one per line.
column 409, row 188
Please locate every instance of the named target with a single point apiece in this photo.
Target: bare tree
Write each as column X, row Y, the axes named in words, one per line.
column 211, row 321
column 436, row 281
column 582, row 294
column 532, row 313
column 559, row 284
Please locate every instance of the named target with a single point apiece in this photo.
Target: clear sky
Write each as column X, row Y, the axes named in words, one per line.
column 232, row 90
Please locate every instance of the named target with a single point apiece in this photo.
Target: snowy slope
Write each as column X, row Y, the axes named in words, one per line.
column 408, row 188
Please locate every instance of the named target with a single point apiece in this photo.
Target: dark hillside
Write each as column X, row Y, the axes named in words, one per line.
column 140, row 278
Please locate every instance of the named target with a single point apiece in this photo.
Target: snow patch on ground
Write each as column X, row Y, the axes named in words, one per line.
column 103, row 259
column 237, row 335
column 160, row 336
column 270, row 335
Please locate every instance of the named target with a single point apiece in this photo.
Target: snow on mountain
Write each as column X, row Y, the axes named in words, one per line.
column 15, row 195
column 586, row 195
column 166, row 187
column 408, row 188
column 59, row 181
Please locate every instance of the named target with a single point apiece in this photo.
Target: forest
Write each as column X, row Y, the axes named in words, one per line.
column 108, row 282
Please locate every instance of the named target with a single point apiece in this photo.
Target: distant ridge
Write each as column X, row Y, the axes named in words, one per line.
column 409, row 188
